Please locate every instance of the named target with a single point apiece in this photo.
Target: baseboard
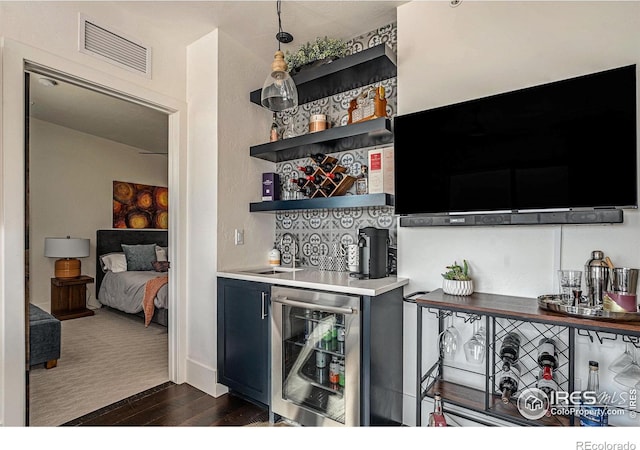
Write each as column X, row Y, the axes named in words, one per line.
column 204, row 378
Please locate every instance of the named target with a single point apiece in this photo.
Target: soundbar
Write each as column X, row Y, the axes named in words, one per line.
column 521, row 218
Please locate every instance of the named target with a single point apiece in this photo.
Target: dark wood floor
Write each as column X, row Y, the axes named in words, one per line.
column 175, row 405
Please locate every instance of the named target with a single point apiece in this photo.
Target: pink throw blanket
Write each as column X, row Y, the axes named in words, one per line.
column 151, row 289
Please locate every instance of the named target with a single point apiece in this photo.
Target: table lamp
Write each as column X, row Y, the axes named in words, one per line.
column 67, row 250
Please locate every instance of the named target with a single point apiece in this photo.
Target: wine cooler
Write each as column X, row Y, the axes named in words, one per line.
column 315, row 354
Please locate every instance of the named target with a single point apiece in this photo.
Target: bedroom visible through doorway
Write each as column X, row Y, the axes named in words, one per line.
column 71, row 163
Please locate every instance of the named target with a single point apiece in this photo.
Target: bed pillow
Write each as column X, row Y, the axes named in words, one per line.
column 162, row 253
column 114, row 262
column 161, row 266
column 140, row 257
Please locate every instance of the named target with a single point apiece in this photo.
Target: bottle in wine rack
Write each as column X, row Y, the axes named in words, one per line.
column 547, row 381
column 510, row 348
column 436, row 418
column 317, row 178
column 327, row 167
column 299, row 181
column 336, row 176
column 307, row 170
column 547, row 353
column 509, row 380
column 318, row 157
column 309, row 190
column 326, row 190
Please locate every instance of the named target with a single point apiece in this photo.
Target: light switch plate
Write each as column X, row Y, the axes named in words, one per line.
column 239, row 236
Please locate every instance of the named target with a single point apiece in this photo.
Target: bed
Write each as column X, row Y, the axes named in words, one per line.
column 124, row 287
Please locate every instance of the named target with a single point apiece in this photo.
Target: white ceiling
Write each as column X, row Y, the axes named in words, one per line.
column 252, row 23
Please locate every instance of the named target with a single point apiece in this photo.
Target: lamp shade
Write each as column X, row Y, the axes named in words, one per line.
column 279, row 91
column 66, row 247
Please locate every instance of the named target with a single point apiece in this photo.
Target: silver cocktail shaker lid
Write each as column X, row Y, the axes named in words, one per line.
column 597, row 259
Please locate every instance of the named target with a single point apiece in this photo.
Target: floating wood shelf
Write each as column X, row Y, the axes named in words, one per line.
column 351, row 72
column 359, row 135
column 343, row 201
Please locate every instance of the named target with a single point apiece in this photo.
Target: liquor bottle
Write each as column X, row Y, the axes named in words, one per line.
column 510, row 349
column 436, row 418
column 593, row 413
column 307, row 170
column 547, row 353
column 336, row 177
column 362, row 181
column 509, row 381
column 274, row 130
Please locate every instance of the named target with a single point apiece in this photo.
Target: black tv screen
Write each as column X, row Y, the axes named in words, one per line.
column 564, row 145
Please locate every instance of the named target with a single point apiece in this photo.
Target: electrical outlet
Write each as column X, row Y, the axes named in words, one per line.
column 239, row 236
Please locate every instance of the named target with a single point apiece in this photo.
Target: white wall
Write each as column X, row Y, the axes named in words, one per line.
column 446, row 55
column 241, row 124
column 71, row 192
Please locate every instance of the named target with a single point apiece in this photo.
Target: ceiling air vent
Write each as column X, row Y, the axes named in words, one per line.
column 114, row 47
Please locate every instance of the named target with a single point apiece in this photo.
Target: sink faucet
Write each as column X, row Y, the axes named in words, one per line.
column 293, row 253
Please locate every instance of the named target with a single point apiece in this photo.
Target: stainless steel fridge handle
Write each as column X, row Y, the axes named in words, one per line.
column 307, row 305
column 264, row 302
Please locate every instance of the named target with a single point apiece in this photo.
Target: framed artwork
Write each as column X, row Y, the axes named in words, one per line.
column 140, row 206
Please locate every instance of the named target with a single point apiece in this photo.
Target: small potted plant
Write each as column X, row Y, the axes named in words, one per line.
column 312, row 54
column 457, row 280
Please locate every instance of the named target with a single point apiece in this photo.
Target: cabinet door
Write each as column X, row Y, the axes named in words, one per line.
column 243, row 337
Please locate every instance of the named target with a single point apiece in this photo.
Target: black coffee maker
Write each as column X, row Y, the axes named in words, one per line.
column 373, row 249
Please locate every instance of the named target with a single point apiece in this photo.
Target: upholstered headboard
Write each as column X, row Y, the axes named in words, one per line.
column 109, row 241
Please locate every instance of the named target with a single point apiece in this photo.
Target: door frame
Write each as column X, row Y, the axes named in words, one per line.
column 14, row 56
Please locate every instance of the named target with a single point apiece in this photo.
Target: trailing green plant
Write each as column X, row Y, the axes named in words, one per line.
column 319, row 49
column 457, row 272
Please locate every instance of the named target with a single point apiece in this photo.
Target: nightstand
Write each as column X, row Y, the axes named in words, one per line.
column 69, row 297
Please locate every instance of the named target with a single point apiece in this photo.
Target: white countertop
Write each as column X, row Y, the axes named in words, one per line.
column 319, row 279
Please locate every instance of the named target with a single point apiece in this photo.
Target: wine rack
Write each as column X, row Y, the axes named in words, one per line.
column 328, row 187
column 470, row 389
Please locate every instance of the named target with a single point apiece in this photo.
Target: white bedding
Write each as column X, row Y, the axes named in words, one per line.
column 125, row 290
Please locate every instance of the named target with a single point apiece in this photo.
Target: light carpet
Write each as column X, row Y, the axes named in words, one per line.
column 104, row 358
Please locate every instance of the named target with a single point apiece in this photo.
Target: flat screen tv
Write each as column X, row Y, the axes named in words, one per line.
column 565, row 145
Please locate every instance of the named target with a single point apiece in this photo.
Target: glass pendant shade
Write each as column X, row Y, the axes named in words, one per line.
column 279, row 92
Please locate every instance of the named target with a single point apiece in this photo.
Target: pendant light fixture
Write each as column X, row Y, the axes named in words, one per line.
column 279, row 92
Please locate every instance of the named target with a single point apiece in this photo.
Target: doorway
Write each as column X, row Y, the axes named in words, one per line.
column 93, row 119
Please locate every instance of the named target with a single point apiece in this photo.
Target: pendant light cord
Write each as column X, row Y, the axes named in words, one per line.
column 278, row 5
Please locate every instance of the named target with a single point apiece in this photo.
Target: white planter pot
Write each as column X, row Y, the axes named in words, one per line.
column 457, row 287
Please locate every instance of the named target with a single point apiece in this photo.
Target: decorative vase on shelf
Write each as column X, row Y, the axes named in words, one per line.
column 457, row 287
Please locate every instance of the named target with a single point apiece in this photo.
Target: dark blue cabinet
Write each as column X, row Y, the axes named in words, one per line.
column 243, row 338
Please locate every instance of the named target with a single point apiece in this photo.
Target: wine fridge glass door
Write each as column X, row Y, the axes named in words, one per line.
column 315, row 357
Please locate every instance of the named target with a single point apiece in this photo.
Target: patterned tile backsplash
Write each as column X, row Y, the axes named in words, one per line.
column 317, row 231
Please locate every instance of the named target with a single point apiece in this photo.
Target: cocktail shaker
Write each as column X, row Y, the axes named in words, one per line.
column 596, row 276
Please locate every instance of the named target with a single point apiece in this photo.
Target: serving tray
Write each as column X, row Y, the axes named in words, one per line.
column 553, row 303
